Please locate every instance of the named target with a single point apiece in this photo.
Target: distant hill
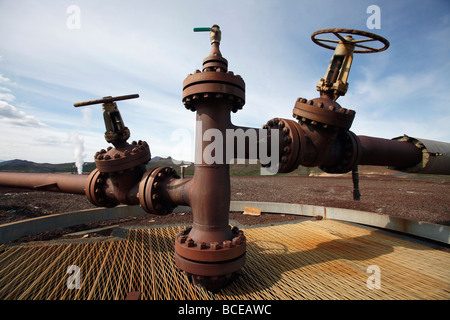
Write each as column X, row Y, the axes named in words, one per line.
column 18, row 165
column 235, row 169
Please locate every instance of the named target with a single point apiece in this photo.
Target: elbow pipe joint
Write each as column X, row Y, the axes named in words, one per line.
column 161, row 190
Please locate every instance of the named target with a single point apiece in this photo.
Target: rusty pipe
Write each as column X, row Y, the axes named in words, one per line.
column 434, row 159
column 384, row 152
column 209, row 195
column 210, row 251
column 65, row 183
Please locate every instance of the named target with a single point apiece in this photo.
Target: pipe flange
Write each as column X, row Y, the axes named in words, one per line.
column 292, row 139
column 323, row 111
column 123, row 157
column 350, row 152
column 210, row 265
column 151, row 189
column 94, row 190
column 212, row 252
column 216, row 84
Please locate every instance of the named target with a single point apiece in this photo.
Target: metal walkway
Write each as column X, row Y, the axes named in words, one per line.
column 321, row 259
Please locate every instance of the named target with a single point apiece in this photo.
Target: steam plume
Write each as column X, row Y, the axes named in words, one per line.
column 78, row 151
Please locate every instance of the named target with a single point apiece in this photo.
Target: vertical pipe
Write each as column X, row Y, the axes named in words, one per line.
column 355, row 179
column 209, row 195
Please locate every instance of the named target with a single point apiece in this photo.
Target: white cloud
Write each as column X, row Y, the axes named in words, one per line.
column 4, row 89
column 11, row 115
column 7, row 97
column 4, row 79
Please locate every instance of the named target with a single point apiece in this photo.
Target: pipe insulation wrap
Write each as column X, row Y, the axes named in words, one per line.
column 435, row 156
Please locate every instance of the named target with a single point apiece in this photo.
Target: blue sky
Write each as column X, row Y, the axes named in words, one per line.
column 148, row 47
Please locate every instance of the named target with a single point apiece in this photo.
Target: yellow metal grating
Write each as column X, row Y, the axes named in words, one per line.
column 306, row 260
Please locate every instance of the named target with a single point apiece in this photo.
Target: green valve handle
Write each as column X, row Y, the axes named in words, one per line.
column 200, row 29
column 215, row 34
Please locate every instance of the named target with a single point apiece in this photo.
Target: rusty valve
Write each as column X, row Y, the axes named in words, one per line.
column 328, row 141
column 334, row 84
column 119, row 168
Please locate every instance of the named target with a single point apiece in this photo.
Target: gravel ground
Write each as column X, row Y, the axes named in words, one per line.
column 423, row 199
column 410, row 198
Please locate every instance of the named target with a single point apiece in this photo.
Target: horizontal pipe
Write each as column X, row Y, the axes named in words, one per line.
column 435, row 156
column 66, row 183
column 176, row 191
column 392, row 153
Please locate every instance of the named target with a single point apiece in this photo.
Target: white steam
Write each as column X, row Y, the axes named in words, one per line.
column 78, row 151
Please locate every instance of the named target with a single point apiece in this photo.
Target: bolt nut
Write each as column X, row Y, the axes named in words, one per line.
column 215, row 246
column 182, row 239
column 236, row 241
column 227, row 244
column 190, row 242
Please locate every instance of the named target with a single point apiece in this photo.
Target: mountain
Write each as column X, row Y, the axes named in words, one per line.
column 235, row 169
column 18, row 165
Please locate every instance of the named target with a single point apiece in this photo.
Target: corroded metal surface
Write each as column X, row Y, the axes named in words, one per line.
column 306, row 260
column 43, row 181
